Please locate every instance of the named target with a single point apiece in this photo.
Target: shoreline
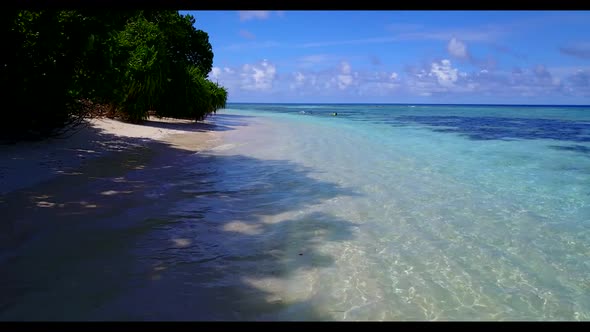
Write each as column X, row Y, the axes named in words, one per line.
column 107, row 167
column 27, row 164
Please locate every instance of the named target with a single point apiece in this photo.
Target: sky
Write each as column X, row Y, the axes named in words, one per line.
column 454, row 57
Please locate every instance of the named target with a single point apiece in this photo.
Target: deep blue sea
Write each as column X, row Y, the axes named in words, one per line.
column 377, row 212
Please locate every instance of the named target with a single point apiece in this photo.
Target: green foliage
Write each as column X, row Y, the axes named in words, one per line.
column 135, row 61
column 167, row 59
column 190, row 96
column 38, row 69
column 144, row 67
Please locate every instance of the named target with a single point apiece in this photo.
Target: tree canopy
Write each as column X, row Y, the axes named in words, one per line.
column 133, row 61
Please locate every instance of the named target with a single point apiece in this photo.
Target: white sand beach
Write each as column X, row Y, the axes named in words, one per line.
column 28, row 163
column 86, row 176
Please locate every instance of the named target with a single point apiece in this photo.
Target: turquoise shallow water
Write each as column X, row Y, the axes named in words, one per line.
column 384, row 212
column 451, row 212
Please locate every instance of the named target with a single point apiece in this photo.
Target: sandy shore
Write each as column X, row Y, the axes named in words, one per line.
column 105, row 168
column 26, row 164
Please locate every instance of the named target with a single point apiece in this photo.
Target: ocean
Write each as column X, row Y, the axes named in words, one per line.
column 355, row 212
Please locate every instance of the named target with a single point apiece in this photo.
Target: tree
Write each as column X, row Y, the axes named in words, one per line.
column 135, row 61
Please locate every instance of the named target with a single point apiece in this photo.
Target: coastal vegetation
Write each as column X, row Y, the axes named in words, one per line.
column 59, row 66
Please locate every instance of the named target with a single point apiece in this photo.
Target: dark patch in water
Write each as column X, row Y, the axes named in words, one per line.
column 574, row 148
column 499, row 128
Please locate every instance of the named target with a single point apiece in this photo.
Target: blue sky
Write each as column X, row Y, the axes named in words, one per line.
column 497, row 57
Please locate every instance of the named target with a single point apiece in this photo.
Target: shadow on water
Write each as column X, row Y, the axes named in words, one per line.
column 574, row 148
column 222, row 122
column 499, row 128
column 154, row 232
column 231, row 119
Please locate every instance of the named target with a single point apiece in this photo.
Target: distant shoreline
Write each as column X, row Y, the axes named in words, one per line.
column 411, row 104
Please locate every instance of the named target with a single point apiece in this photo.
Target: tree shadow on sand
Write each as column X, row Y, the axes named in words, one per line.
column 154, row 232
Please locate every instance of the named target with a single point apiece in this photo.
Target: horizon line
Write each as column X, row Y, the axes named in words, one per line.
column 409, row 104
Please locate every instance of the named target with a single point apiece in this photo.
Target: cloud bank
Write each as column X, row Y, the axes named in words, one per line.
column 248, row 15
column 343, row 82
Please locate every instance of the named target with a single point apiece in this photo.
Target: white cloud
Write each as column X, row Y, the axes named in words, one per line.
column 542, row 74
column 344, row 81
column 439, row 80
column 337, row 79
column 442, row 79
column 275, row 44
column 214, row 74
column 475, row 33
column 481, row 33
column 457, row 48
column 258, row 77
column 398, row 32
column 246, row 15
column 299, row 77
column 381, row 83
column 485, row 35
column 345, row 68
column 577, row 83
column 445, row 74
column 344, row 78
